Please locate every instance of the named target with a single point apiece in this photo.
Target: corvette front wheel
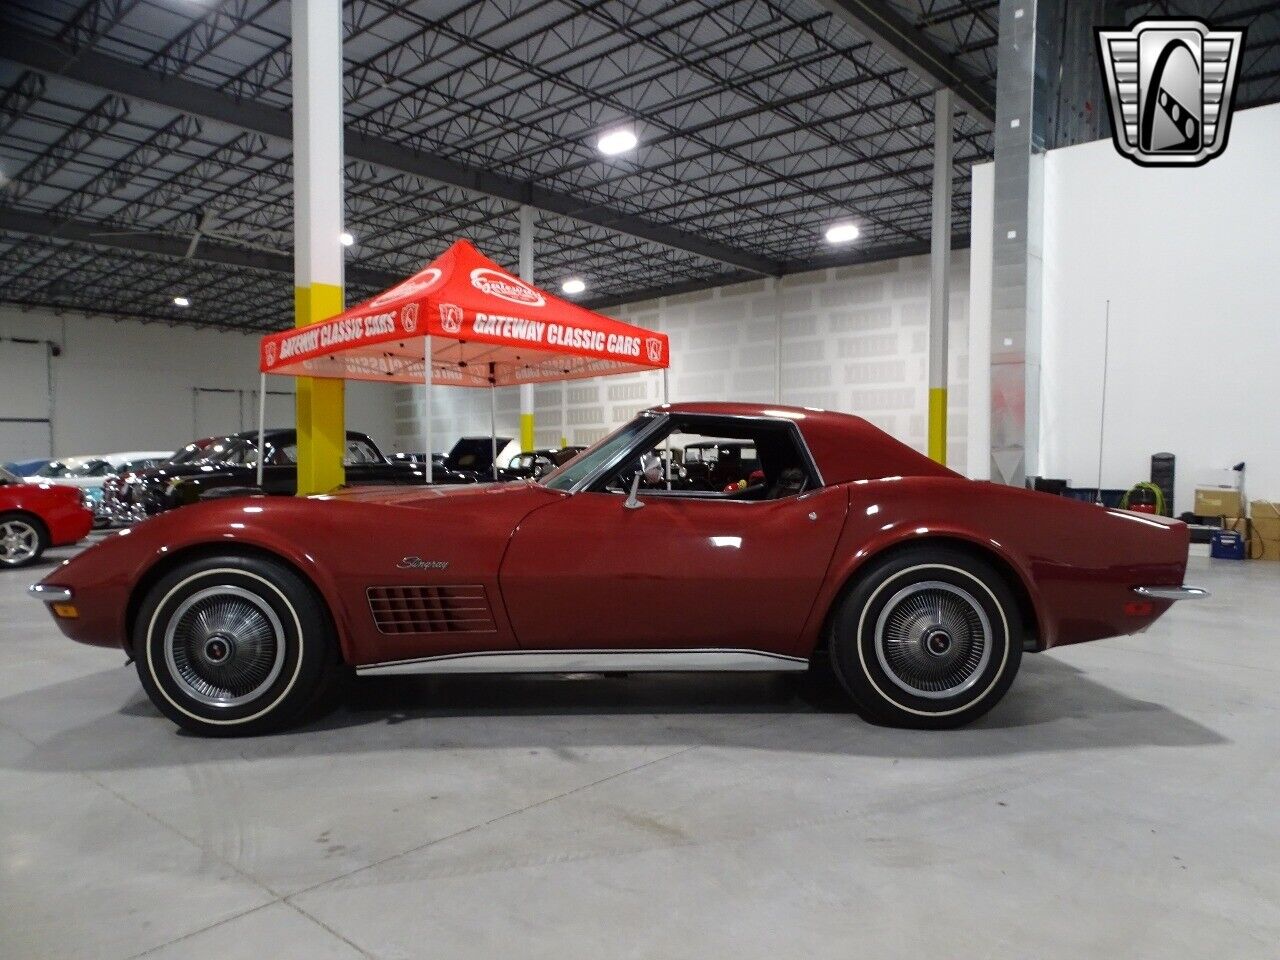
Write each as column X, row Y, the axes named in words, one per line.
column 929, row 638
column 235, row 646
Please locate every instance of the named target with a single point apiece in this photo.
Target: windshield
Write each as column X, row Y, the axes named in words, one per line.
column 89, row 468
column 587, row 462
column 54, row 469
column 7, row 477
column 195, row 452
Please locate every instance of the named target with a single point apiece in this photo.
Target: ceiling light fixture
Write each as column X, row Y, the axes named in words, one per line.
column 842, row 233
column 181, row 302
column 346, row 239
column 616, row 141
column 573, row 286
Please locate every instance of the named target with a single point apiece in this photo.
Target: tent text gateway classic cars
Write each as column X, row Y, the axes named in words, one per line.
column 922, row 588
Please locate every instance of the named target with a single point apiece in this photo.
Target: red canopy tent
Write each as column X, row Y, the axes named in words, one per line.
column 479, row 325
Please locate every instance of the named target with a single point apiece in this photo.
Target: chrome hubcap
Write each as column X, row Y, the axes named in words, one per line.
column 933, row 639
column 18, row 541
column 224, row 645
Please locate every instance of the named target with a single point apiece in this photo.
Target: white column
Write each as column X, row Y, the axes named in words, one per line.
column 981, row 220
column 526, row 274
column 939, row 274
column 777, row 345
column 318, row 222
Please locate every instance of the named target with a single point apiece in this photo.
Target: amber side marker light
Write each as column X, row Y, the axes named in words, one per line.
column 67, row 611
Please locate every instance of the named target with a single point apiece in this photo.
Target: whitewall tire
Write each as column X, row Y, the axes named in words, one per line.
column 930, row 637
column 234, row 646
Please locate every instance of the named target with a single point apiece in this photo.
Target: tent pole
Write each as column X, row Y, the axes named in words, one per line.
column 666, row 398
column 493, row 421
column 262, row 420
column 426, row 401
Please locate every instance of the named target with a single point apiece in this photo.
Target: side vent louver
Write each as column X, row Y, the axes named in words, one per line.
column 451, row 609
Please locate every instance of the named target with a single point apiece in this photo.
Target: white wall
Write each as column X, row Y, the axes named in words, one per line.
column 129, row 386
column 1190, row 260
column 853, row 339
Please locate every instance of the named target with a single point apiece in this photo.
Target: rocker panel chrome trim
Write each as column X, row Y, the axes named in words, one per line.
column 592, row 661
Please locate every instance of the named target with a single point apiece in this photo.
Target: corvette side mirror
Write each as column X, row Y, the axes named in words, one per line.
column 633, row 502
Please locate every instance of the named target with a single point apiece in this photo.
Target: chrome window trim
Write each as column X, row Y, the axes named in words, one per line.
column 589, row 479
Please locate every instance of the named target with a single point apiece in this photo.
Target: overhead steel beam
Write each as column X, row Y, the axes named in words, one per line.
column 103, row 72
column 208, row 251
column 880, row 22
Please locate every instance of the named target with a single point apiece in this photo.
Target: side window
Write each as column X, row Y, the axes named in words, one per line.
column 718, row 458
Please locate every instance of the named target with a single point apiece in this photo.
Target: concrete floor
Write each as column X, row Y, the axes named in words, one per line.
column 1121, row 802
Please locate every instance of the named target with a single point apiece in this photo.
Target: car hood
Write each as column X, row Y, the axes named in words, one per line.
column 445, row 496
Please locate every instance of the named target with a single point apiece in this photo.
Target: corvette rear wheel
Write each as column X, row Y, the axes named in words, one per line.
column 234, row 646
column 22, row 539
column 929, row 638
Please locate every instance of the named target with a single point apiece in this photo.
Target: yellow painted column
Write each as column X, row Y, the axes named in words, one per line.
column 940, row 273
column 318, row 228
column 321, row 402
column 938, row 424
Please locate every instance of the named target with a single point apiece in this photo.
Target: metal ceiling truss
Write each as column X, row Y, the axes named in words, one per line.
column 149, row 151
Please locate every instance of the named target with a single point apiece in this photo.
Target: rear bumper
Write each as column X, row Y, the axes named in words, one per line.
column 1171, row 593
column 49, row 593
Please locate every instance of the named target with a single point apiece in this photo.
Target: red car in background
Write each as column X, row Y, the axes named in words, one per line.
column 36, row 516
column 841, row 546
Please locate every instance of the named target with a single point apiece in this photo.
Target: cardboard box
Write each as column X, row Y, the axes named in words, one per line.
column 1266, row 529
column 1214, row 502
column 1265, row 510
column 1259, row 549
column 1265, row 515
column 1241, row 525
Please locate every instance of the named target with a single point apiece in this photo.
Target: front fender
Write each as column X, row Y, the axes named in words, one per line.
column 109, row 579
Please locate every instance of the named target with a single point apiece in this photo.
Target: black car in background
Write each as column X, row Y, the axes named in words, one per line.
column 535, row 463
column 470, row 460
column 228, row 466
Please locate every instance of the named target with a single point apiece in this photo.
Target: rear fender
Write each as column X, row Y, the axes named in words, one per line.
column 862, row 544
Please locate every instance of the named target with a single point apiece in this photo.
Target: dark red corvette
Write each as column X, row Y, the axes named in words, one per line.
column 922, row 588
column 36, row 516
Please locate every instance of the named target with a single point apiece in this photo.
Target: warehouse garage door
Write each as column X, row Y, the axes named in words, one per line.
column 217, row 411
column 26, row 402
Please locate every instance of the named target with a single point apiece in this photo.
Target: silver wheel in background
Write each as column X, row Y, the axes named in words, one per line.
column 933, row 639
column 19, row 542
column 224, row 646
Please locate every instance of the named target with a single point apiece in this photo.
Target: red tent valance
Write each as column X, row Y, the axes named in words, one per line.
column 487, row 327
